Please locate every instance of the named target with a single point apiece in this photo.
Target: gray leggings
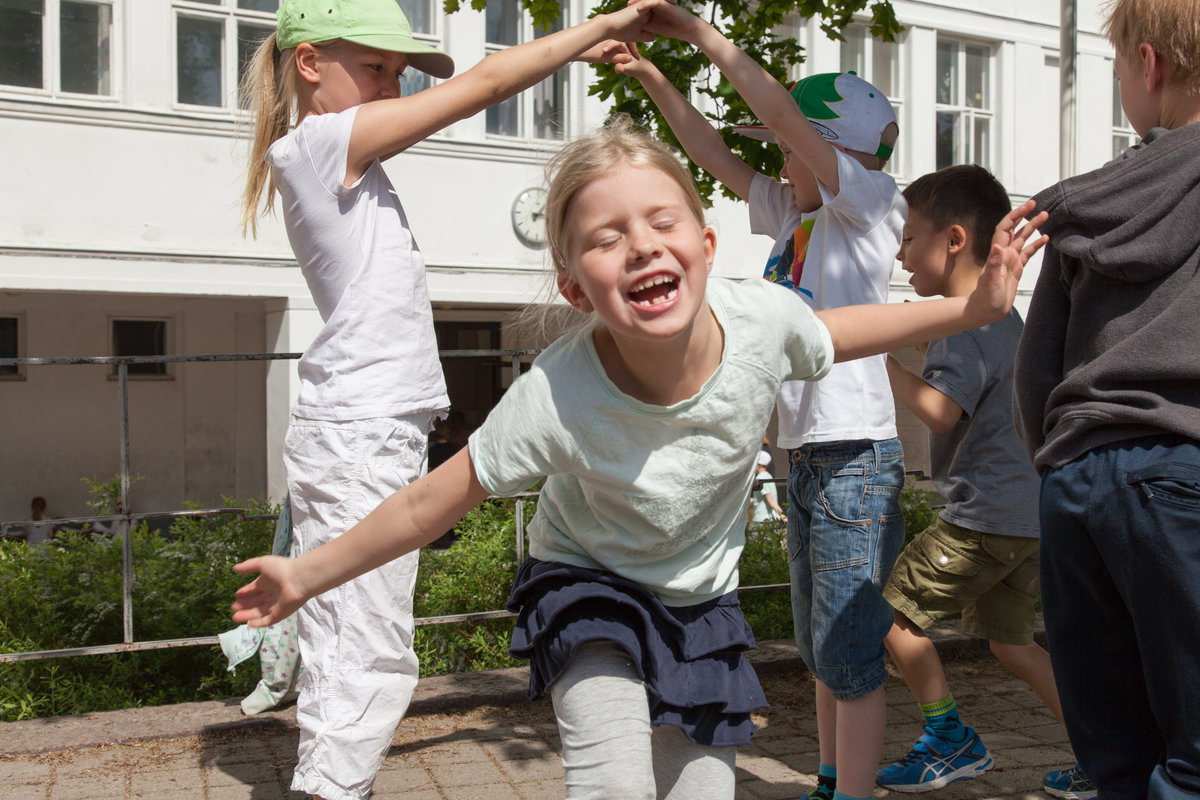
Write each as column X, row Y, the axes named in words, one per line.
column 609, row 748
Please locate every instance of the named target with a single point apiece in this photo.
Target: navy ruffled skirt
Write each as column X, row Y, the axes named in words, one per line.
column 690, row 657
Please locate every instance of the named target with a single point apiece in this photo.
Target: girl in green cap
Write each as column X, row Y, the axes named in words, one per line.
column 371, row 383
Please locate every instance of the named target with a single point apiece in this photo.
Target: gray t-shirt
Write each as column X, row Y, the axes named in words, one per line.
column 980, row 466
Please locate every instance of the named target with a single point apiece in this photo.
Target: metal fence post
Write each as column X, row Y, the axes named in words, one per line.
column 124, row 525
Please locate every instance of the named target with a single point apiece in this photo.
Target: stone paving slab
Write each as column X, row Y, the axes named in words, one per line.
column 477, row 737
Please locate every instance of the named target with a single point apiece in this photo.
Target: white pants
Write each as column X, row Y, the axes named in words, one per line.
column 356, row 639
column 609, row 748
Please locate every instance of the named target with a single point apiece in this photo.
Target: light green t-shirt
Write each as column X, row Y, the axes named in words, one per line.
column 656, row 494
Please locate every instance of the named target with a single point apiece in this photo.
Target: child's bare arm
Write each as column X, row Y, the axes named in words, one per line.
column 700, row 140
column 860, row 331
column 935, row 409
column 767, row 97
column 384, row 128
column 412, row 517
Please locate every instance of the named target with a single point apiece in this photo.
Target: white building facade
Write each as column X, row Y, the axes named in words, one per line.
column 124, row 151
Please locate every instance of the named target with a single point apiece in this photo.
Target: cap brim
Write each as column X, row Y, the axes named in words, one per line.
column 759, row 132
column 420, row 56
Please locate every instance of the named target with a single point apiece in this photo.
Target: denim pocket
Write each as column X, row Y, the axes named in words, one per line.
column 1173, row 483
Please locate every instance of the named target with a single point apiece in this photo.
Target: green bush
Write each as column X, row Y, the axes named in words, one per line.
column 474, row 574
column 918, row 507
column 67, row 593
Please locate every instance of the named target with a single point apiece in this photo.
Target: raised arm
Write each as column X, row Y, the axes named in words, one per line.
column 860, row 331
column 767, row 97
column 700, row 140
column 409, row 519
column 384, row 128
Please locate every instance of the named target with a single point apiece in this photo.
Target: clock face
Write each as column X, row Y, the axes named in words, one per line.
column 529, row 216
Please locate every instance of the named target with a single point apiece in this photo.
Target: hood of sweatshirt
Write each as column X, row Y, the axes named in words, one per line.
column 1123, row 220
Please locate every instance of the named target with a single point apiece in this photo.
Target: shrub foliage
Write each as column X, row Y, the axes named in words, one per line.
column 67, row 593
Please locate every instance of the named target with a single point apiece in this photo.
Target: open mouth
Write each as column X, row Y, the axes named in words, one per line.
column 654, row 291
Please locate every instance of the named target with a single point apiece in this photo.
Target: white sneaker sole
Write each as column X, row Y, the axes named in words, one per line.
column 960, row 774
column 1068, row 794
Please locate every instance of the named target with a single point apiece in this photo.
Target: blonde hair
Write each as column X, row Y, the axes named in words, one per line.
column 571, row 169
column 1171, row 27
column 590, row 157
column 270, row 84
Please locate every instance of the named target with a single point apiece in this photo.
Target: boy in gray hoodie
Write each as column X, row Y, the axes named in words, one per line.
column 1107, row 401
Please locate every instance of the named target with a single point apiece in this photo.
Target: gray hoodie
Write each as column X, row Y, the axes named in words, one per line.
column 1111, row 347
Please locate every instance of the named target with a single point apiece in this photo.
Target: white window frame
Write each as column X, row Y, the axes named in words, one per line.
column 52, row 54
column 227, row 13
column 524, row 101
column 1123, row 134
column 414, row 80
column 861, row 53
column 168, row 372
column 22, row 337
column 967, row 114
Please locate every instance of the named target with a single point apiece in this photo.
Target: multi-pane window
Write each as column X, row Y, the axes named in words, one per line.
column 423, row 17
column 538, row 113
column 10, row 345
column 214, row 40
column 57, row 46
column 1123, row 134
column 965, row 112
column 140, row 337
column 878, row 62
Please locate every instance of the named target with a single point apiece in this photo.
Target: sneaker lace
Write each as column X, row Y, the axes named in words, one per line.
column 918, row 752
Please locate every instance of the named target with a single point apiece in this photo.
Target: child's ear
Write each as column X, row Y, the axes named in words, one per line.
column 956, row 238
column 306, row 62
column 710, row 246
column 573, row 293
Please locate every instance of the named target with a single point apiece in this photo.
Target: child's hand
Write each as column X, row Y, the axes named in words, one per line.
column 610, row 51
column 272, row 596
column 622, row 55
column 997, row 287
column 630, row 21
column 671, row 21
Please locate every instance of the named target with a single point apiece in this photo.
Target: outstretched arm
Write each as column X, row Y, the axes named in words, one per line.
column 767, row 97
column 384, row 128
column 860, row 331
column 412, row 517
column 699, row 139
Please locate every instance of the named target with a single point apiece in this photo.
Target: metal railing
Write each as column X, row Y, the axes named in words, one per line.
column 123, row 523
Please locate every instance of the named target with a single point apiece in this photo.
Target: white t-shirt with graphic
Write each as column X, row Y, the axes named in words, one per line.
column 839, row 255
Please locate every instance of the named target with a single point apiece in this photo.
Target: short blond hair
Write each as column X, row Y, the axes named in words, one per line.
column 1171, row 27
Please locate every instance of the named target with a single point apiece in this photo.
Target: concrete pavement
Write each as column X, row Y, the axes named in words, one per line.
column 476, row 736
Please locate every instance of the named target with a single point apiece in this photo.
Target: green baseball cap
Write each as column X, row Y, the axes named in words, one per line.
column 372, row 23
column 843, row 108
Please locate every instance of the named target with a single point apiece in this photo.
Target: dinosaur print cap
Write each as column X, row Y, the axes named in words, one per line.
column 844, row 108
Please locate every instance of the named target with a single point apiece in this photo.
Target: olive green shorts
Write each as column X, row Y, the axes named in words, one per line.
column 992, row 580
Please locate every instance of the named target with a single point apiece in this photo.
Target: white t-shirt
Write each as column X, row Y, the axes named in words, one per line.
column 376, row 355
column 839, row 255
column 656, row 494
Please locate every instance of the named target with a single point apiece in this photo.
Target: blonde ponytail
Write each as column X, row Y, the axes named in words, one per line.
column 270, row 83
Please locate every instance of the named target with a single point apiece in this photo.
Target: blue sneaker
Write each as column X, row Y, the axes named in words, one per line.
column 933, row 762
column 1069, row 784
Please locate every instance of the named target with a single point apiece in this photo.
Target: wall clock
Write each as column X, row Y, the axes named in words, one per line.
column 529, row 216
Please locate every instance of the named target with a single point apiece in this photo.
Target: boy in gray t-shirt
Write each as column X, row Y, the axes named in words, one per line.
column 980, row 557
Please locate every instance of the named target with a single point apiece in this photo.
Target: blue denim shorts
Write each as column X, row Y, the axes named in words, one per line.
column 845, row 530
